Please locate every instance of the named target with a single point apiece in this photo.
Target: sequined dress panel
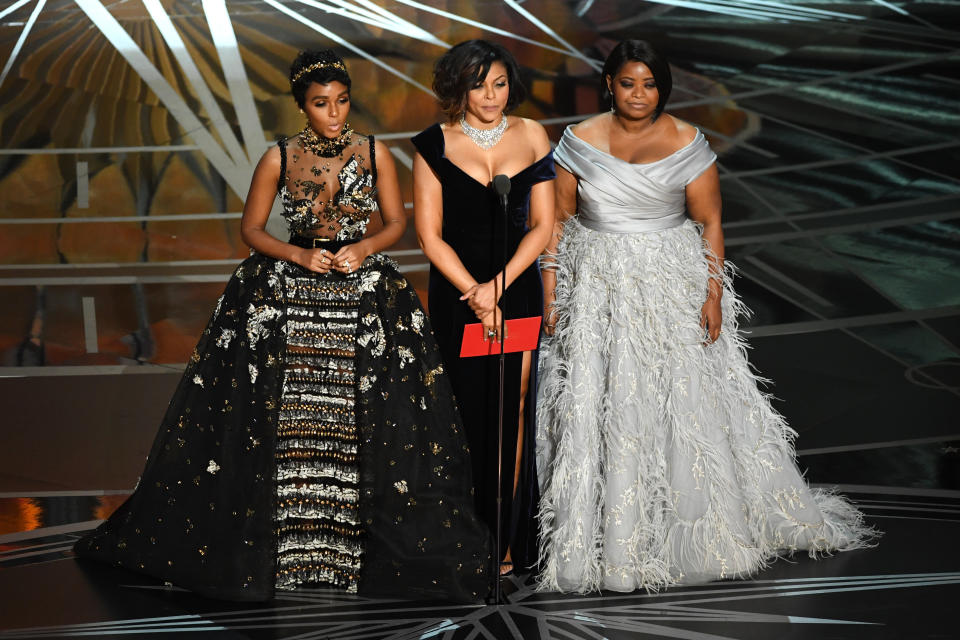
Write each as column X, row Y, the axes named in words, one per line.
column 319, row 534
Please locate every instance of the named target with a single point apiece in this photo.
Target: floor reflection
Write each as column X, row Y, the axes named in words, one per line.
column 28, row 514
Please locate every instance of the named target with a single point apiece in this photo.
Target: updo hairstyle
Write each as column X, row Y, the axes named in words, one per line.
column 464, row 66
column 637, row 51
column 322, row 66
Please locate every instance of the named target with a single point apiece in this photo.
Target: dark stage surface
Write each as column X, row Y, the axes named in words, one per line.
column 905, row 588
column 837, row 126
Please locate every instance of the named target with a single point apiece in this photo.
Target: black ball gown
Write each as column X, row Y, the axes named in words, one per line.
column 474, row 227
column 313, row 438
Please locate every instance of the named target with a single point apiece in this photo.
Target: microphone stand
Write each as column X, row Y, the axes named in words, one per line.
column 501, row 185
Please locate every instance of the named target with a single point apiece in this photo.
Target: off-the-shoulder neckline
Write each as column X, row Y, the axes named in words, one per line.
column 569, row 131
column 443, row 156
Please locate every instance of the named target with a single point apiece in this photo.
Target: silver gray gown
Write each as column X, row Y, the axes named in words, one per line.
column 661, row 461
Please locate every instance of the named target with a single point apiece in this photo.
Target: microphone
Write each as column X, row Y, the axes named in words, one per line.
column 501, row 184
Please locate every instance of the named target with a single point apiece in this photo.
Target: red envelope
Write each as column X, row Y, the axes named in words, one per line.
column 522, row 335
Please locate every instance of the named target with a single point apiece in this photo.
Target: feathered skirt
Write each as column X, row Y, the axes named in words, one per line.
column 661, row 461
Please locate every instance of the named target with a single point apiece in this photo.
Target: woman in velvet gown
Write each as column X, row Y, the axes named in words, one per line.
column 313, row 439
column 462, row 231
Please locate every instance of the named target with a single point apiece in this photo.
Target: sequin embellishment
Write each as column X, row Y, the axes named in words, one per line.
column 319, row 534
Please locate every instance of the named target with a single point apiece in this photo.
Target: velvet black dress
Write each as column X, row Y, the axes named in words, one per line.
column 313, row 438
column 473, row 226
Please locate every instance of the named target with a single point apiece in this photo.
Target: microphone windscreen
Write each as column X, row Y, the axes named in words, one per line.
column 501, row 184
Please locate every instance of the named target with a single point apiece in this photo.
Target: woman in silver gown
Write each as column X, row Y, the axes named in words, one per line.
column 661, row 462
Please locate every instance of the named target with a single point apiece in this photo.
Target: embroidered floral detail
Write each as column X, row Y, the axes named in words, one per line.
column 225, row 337
column 430, row 377
column 417, row 320
column 257, row 317
column 406, row 356
column 401, row 486
column 216, row 309
column 253, row 373
column 374, row 334
column 213, row 467
column 198, row 380
column 366, row 383
column 369, row 280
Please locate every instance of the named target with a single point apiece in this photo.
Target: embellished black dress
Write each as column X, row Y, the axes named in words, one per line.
column 474, row 228
column 313, row 439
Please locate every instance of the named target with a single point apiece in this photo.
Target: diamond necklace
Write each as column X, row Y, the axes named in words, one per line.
column 484, row 138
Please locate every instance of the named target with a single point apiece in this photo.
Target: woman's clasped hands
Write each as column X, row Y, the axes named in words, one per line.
column 347, row 260
column 483, row 299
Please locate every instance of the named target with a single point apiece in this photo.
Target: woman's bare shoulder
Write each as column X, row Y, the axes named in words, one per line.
column 270, row 160
column 380, row 147
column 534, row 135
column 594, row 129
column 682, row 131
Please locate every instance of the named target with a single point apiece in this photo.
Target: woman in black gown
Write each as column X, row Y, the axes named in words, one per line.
column 313, row 439
column 461, row 230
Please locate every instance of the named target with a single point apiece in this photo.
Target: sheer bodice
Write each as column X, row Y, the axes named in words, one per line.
column 331, row 197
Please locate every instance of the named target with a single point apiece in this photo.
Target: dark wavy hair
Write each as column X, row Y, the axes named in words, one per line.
column 637, row 51
column 466, row 64
column 325, row 75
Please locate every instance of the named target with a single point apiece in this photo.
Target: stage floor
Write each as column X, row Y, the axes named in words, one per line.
column 907, row 587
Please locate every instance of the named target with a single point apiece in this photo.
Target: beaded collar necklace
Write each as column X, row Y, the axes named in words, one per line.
column 484, row 138
column 325, row 147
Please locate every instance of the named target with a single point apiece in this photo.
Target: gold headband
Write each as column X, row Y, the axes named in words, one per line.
column 316, row 67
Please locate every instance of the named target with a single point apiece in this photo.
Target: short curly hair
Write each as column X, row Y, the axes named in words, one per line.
column 332, row 69
column 466, row 64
